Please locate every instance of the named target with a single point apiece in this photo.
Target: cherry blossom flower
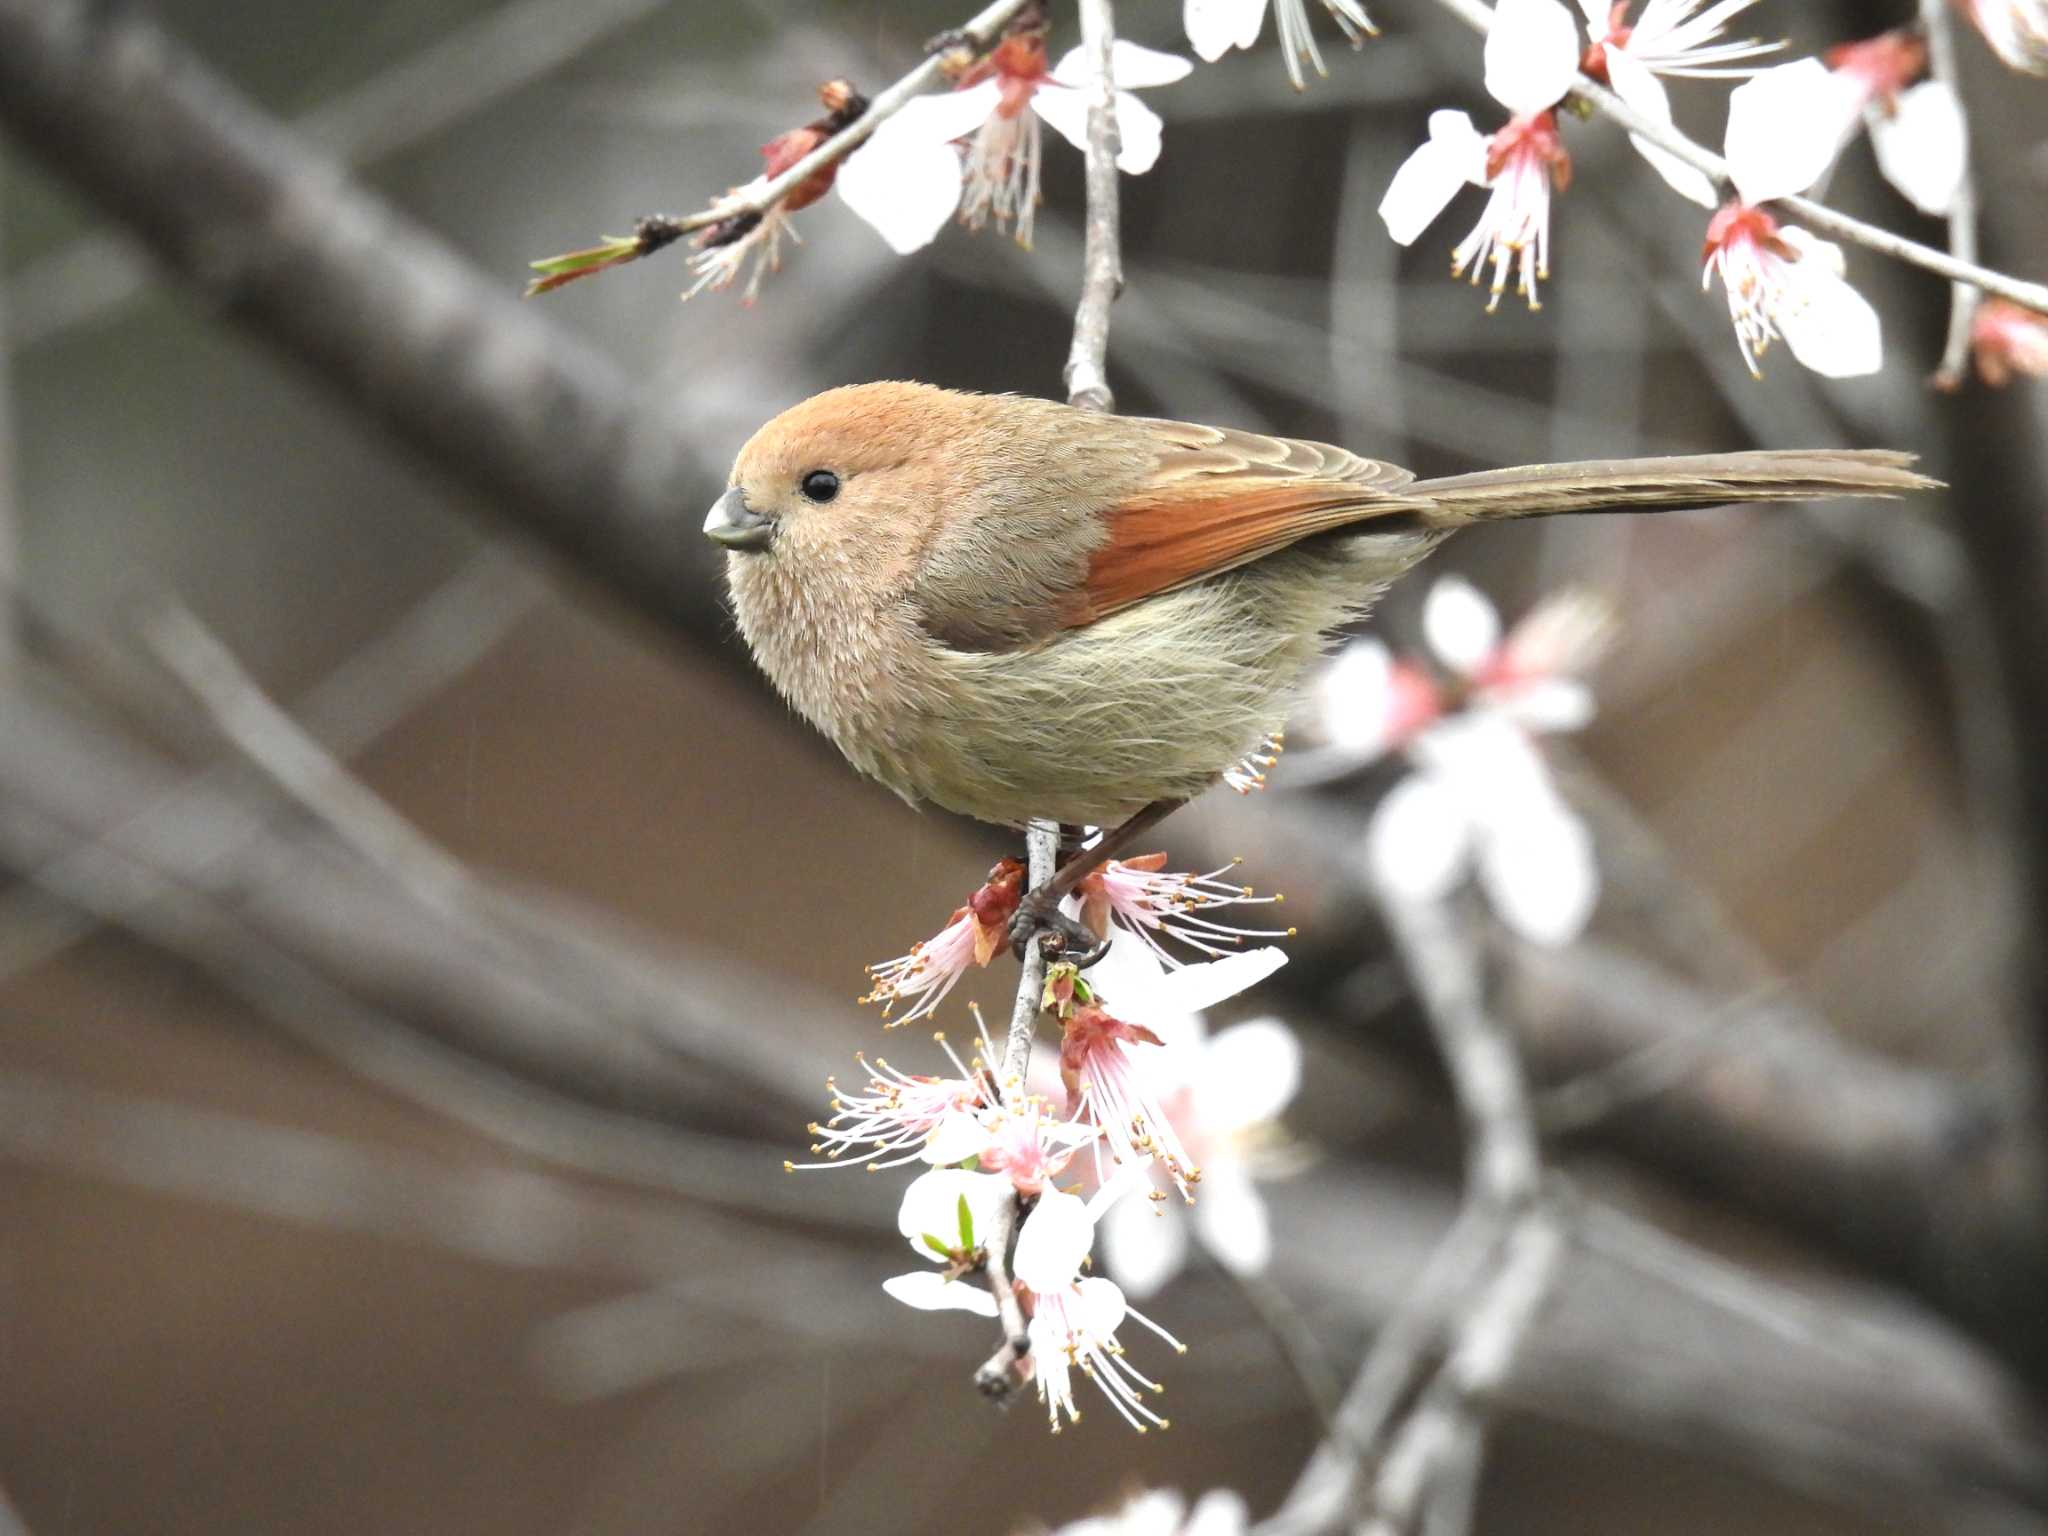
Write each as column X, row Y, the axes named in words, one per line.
column 944, row 1215
column 1216, row 26
column 907, row 1117
column 2017, row 30
column 1143, row 897
column 1480, row 799
column 907, row 191
column 1532, row 57
column 1100, row 1052
column 970, row 938
column 1074, row 1321
column 1917, row 131
column 1221, row 1093
column 1782, row 281
column 1018, row 1140
column 2008, row 339
column 1671, row 37
column 1162, row 1512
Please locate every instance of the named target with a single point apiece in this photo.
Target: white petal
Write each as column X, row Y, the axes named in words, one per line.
column 1132, row 67
column 1156, row 1513
column 1219, row 1512
column 1217, row 26
column 1539, row 873
column 1135, row 68
column 1596, row 13
column 1785, row 126
column 1922, row 147
column 1352, row 696
column 1488, row 763
column 1129, row 979
column 1138, row 126
column 1832, row 328
column 1452, row 157
column 1102, row 1306
column 1635, row 84
column 1144, row 1243
column 1055, row 1239
column 932, row 1205
column 1138, row 133
column 957, row 1137
column 1416, row 843
column 944, row 116
column 1550, row 707
column 1461, row 626
column 929, row 1291
column 1230, row 1218
column 1193, row 988
column 1249, row 1073
column 1532, row 55
column 904, row 184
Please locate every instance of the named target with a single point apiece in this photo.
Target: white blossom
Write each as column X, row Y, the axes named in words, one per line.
column 909, row 177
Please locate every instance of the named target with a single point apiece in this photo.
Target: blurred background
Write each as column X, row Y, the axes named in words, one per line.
column 442, row 1191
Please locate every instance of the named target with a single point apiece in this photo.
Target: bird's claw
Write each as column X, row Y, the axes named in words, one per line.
column 1060, row 936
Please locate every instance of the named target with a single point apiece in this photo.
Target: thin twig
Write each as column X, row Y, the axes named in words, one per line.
column 1935, row 20
column 1102, row 269
column 1479, row 15
column 978, row 35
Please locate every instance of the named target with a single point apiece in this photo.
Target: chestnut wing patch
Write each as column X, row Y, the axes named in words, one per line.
column 1218, row 499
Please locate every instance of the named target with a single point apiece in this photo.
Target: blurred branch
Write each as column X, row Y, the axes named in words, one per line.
column 1907, row 1173
column 454, row 78
column 1436, row 1453
column 1412, row 1423
column 279, row 241
column 1937, row 21
column 439, row 638
column 566, row 1005
column 1479, row 15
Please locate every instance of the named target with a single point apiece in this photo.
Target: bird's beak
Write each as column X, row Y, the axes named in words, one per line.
column 736, row 525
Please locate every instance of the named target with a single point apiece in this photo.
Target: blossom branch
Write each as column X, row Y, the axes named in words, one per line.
column 997, row 1375
column 1936, row 21
column 1957, row 268
column 978, row 35
column 1087, row 387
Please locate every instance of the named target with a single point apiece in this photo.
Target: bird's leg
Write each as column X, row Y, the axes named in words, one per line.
column 1039, row 913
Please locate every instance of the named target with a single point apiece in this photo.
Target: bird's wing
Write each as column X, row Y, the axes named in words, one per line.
column 1217, row 499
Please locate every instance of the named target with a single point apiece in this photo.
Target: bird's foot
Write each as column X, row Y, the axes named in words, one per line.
column 1057, row 935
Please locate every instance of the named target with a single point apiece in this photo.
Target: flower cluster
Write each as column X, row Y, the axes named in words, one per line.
column 1478, row 798
column 1144, row 1111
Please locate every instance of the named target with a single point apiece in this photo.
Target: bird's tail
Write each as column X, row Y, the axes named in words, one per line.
column 1668, row 484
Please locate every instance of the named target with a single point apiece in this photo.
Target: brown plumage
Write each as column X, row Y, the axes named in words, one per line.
column 1011, row 608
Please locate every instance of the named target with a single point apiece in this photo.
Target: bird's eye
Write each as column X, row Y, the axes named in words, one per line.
column 820, row 485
